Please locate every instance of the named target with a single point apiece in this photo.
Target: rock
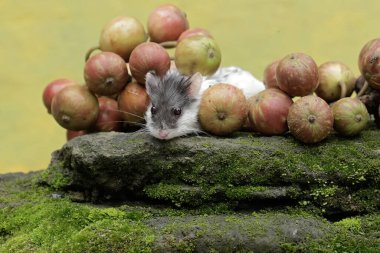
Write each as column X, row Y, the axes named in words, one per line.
column 337, row 176
column 235, row 233
column 32, row 220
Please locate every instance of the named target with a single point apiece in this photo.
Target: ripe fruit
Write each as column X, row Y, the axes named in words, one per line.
column 109, row 117
column 297, row 74
column 121, row 35
column 106, row 73
column 193, row 32
column 133, row 102
column 269, row 78
column 52, row 89
column 310, row 119
column 166, row 23
column 268, row 111
column 336, row 81
column 75, row 107
column 71, row 134
column 223, row 109
column 197, row 54
column 369, row 63
column 350, row 116
column 148, row 56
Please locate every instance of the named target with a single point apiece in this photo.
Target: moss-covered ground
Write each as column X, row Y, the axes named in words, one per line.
column 34, row 218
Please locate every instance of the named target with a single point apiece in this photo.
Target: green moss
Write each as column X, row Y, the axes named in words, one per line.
column 32, row 221
column 244, row 192
column 62, row 226
column 179, row 194
column 55, row 176
column 352, row 224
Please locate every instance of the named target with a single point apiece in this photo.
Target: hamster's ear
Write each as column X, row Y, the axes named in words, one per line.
column 196, row 83
column 151, row 82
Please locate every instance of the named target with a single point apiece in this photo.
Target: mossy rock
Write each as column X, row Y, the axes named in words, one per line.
column 34, row 218
column 339, row 176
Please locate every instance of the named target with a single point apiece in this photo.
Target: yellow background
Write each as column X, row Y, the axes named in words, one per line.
column 42, row 40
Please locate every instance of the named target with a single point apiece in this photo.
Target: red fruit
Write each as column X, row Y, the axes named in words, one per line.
column 70, row 134
column 369, row 63
column 121, row 35
column 106, row 73
column 223, row 109
column 193, row 32
column 297, row 74
column 148, row 56
column 52, row 89
column 166, row 23
column 350, row 116
column 335, row 80
column 270, row 79
column 75, row 107
column 268, row 111
column 133, row 102
column 310, row 119
column 109, row 117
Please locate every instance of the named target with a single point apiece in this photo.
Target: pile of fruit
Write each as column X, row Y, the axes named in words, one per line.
column 324, row 96
column 114, row 97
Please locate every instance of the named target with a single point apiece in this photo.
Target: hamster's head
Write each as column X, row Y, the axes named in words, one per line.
column 173, row 110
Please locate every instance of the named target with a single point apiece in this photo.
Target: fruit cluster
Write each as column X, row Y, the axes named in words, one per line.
column 114, row 97
column 301, row 98
column 310, row 101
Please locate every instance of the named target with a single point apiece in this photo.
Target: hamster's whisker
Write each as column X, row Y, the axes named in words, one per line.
column 138, row 116
column 199, row 131
column 133, row 123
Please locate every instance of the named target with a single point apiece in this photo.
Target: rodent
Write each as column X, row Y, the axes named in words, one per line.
column 175, row 99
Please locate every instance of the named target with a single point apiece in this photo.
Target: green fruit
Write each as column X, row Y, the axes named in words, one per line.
column 197, row 54
column 332, row 77
column 121, row 35
column 350, row 116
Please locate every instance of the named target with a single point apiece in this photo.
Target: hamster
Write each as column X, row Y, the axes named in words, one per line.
column 175, row 99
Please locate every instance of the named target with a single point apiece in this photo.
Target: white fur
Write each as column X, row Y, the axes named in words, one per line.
column 237, row 77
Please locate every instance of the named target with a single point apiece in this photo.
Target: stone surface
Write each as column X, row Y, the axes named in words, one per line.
column 34, row 218
column 337, row 176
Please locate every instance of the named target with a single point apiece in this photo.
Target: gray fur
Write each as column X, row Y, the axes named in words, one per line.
column 166, row 93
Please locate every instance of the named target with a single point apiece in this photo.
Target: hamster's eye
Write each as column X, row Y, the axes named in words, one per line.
column 153, row 110
column 177, row 111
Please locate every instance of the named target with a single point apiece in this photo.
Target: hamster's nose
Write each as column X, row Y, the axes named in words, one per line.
column 163, row 133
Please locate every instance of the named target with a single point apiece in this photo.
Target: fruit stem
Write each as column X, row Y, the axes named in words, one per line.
column 358, row 117
column 168, row 44
column 363, row 89
column 343, row 89
column 66, row 119
column 90, row 51
column 311, row 118
column 109, row 81
column 221, row 115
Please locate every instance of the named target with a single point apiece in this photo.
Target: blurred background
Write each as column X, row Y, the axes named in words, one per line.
column 44, row 40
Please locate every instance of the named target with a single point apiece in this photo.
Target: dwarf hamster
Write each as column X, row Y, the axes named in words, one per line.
column 175, row 98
